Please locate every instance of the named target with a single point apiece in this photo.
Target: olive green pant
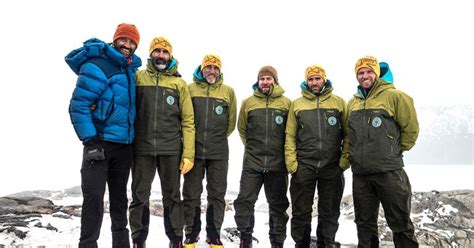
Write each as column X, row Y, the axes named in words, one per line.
column 393, row 190
column 216, row 177
column 143, row 173
column 276, row 187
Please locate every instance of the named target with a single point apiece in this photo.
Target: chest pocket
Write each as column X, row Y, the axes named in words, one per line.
column 169, row 102
column 278, row 124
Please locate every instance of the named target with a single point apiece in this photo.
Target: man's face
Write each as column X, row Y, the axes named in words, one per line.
column 366, row 77
column 160, row 58
column 125, row 46
column 211, row 73
column 265, row 83
column 315, row 83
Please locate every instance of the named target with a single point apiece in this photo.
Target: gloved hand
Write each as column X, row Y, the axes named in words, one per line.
column 292, row 168
column 93, row 149
column 185, row 166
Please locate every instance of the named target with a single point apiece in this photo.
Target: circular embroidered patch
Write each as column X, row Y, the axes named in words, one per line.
column 278, row 120
column 219, row 110
column 170, row 100
column 332, row 120
column 376, row 122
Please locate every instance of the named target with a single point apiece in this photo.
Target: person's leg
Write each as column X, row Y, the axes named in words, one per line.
column 121, row 160
column 192, row 190
column 216, row 174
column 330, row 192
column 366, row 211
column 302, row 188
column 250, row 184
column 276, row 188
column 93, row 181
column 168, row 168
column 143, row 172
column 394, row 190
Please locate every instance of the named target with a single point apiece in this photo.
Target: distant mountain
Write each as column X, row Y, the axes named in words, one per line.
column 446, row 136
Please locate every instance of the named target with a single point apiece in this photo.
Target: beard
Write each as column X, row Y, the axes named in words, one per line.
column 127, row 52
column 159, row 63
column 211, row 79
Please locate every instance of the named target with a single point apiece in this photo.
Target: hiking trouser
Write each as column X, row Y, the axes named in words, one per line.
column 276, row 186
column 393, row 190
column 329, row 182
column 216, row 175
column 143, row 173
column 113, row 171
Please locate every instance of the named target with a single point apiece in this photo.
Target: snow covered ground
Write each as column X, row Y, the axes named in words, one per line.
column 423, row 178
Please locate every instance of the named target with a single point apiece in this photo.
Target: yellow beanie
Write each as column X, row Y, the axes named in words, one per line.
column 315, row 70
column 163, row 43
column 211, row 59
column 368, row 62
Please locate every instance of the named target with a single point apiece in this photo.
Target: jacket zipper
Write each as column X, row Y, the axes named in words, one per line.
column 155, row 122
column 320, row 145
column 266, row 134
column 205, row 125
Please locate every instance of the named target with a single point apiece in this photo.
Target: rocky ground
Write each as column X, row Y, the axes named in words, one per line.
column 442, row 219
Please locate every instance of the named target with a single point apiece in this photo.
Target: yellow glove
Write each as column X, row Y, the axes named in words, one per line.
column 186, row 166
column 292, row 168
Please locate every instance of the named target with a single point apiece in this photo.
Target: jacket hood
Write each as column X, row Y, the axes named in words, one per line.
column 324, row 93
column 275, row 91
column 199, row 79
column 96, row 48
column 385, row 72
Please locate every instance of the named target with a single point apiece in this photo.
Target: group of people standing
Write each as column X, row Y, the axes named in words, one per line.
column 151, row 120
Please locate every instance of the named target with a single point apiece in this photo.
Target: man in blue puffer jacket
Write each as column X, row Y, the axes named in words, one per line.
column 102, row 111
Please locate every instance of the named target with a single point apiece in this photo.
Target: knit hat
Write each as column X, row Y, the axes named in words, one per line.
column 315, row 70
column 268, row 71
column 368, row 62
column 163, row 43
column 211, row 59
column 126, row 30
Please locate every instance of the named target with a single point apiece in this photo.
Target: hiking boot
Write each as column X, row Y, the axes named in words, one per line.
column 176, row 244
column 191, row 242
column 139, row 244
column 277, row 245
column 245, row 244
column 215, row 243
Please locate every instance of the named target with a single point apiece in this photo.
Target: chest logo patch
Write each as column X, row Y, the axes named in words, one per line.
column 170, row 100
column 376, row 122
column 278, row 119
column 219, row 110
column 332, row 120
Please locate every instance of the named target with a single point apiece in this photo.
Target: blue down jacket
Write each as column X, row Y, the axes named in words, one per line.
column 106, row 79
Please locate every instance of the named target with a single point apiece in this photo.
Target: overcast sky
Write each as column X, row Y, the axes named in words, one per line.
column 428, row 44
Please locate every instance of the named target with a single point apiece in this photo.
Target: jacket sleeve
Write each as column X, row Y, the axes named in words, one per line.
column 290, row 140
column 187, row 122
column 91, row 82
column 407, row 120
column 232, row 112
column 344, row 160
column 242, row 122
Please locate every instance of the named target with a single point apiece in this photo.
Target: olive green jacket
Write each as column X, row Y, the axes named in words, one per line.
column 215, row 110
column 165, row 117
column 381, row 126
column 314, row 130
column 261, row 125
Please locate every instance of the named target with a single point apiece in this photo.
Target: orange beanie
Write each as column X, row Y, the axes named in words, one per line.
column 126, row 30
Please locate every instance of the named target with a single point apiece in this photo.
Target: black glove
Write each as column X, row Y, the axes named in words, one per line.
column 93, row 149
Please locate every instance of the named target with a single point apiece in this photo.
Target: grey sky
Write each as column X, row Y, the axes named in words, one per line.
column 427, row 43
